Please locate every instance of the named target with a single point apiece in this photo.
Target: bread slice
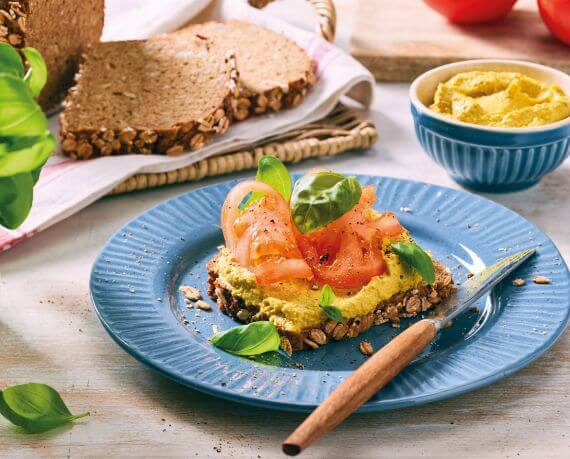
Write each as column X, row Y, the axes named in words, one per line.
column 60, row 29
column 275, row 72
column 162, row 95
column 402, row 305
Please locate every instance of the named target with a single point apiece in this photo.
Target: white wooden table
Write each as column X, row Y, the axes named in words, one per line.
column 49, row 333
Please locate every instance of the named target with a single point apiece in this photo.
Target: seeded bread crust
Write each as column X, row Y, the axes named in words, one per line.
column 401, row 305
column 60, row 29
column 275, row 73
column 116, row 111
column 13, row 15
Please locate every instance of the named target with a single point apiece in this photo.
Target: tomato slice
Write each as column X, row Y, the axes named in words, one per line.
column 261, row 237
column 348, row 252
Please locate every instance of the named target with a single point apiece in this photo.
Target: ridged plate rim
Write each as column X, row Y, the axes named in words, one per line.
column 140, row 349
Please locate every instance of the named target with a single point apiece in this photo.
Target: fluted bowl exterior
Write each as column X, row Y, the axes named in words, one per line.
column 492, row 159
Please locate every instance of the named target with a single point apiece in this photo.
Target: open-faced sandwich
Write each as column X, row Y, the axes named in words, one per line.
column 316, row 263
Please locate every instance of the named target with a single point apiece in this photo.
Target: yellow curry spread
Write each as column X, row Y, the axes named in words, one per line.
column 293, row 306
column 500, row 99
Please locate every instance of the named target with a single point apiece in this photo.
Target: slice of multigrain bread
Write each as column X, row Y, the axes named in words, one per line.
column 163, row 95
column 401, row 305
column 275, row 73
column 59, row 29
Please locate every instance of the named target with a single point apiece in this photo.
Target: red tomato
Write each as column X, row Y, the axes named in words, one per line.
column 348, row 252
column 556, row 16
column 262, row 237
column 472, row 11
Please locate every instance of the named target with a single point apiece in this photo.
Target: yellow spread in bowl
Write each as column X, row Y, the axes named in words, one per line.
column 500, row 99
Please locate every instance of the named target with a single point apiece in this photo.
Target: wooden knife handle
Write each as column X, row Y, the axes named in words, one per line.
column 362, row 384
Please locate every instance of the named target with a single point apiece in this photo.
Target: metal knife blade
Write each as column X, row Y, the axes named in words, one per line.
column 473, row 289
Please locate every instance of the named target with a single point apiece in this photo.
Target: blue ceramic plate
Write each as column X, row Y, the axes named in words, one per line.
column 135, row 280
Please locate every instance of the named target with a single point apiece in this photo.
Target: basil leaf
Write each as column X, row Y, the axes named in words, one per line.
column 25, row 142
column 35, row 407
column 321, row 198
column 271, row 171
column 327, row 296
column 37, row 70
column 16, row 195
column 252, row 339
column 36, row 173
column 28, row 158
column 326, row 303
column 414, row 256
column 20, row 114
column 332, row 312
column 10, row 61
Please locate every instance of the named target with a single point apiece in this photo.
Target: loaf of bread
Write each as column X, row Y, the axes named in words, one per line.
column 163, row 95
column 275, row 72
column 59, row 29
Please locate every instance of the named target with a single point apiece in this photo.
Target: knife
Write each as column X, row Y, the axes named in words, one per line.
column 388, row 361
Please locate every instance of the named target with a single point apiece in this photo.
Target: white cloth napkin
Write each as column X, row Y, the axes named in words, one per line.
column 67, row 186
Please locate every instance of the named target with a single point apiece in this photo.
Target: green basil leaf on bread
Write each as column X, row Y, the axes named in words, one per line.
column 413, row 255
column 321, row 198
column 272, row 172
column 326, row 303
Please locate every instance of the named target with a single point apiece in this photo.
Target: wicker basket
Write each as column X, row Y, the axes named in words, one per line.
column 340, row 131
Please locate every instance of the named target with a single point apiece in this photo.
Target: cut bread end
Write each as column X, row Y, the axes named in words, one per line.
column 402, row 305
column 275, row 72
column 164, row 95
column 60, row 30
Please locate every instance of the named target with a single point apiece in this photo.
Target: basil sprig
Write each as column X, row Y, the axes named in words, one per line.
column 37, row 73
column 25, row 142
column 10, row 61
column 413, row 255
column 247, row 340
column 35, row 407
column 326, row 304
column 321, row 198
column 271, row 171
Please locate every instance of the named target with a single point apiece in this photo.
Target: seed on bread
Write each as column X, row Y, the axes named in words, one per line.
column 311, row 344
column 243, row 315
column 68, row 144
column 318, row 336
column 197, row 141
column 175, row 150
column 285, row 345
column 340, row 331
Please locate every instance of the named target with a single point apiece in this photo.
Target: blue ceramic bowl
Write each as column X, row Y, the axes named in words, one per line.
column 487, row 158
